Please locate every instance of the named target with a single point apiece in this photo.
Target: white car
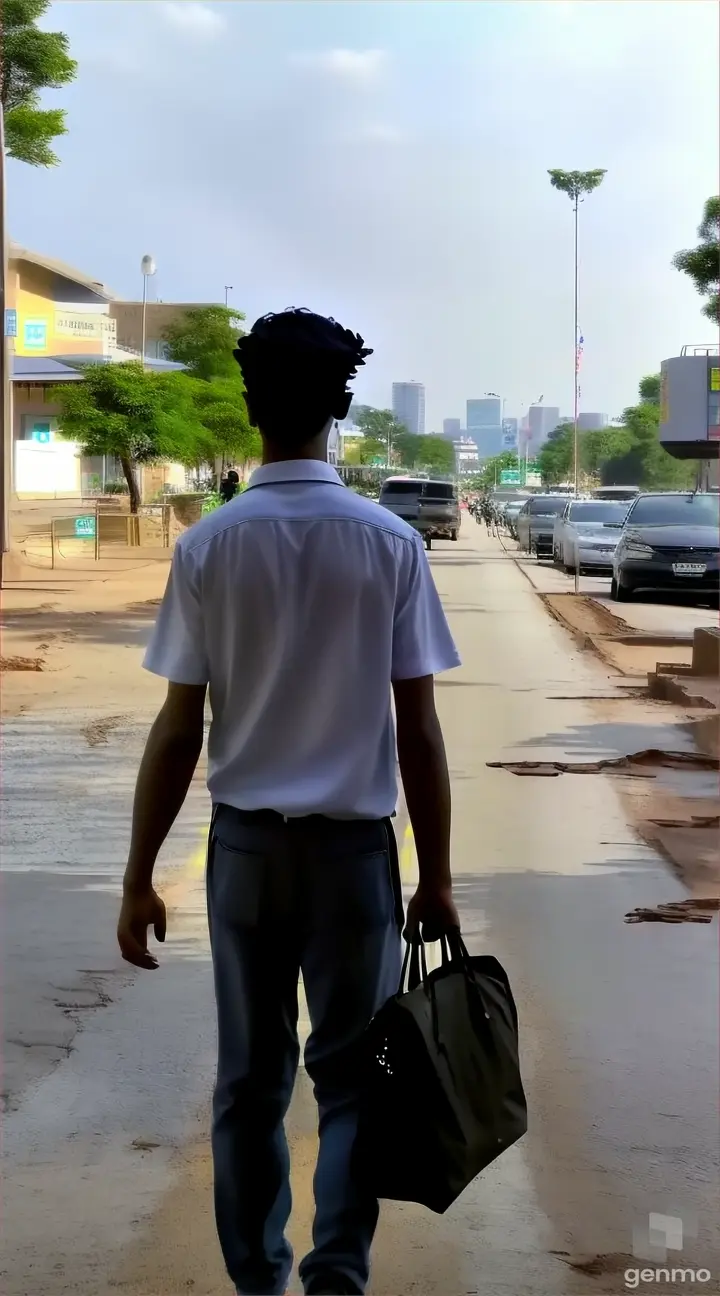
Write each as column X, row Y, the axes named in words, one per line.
column 587, row 533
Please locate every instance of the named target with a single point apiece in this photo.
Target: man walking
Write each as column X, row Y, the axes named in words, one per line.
column 302, row 606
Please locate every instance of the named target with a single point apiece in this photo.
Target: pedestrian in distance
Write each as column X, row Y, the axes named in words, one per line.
column 303, row 607
column 229, row 486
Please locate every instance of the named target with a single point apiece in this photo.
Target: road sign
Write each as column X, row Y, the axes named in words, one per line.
column 510, row 477
column 85, row 527
column 378, row 461
column 10, row 323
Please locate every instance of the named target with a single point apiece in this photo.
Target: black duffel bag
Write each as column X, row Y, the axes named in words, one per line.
column 441, row 1092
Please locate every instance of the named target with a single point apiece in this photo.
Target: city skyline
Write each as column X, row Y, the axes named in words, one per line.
column 398, row 104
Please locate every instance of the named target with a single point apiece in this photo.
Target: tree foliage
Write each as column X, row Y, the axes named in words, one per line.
column 492, row 468
column 576, row 183
column 32, row 60
column 131, row 413
column 139, row 417
column 382, row 432
column 423, row 452
column 204, row 340
column 702, row 263
column 627, row 455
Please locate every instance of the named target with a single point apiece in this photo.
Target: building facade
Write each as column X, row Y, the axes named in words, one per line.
column 484, row 425
column 408, row 406
column 542, row 420
column 451, row 428
column 63, row 318
column 592, row 422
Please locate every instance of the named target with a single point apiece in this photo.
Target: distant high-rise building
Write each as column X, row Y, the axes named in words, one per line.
column 451, row 428
column 509, row 434
column 408, row 405
column 484, row 425
column 542, row 420
column 592, row 422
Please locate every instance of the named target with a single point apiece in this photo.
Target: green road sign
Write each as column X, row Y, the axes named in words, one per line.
column 510, row 477
column 85, row 527
column 378, row 462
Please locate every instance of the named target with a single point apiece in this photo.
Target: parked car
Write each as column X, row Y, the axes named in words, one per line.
column 587, row 532
column 510, row 514
column 535, row 523
column 669, row 542
column 431, row 507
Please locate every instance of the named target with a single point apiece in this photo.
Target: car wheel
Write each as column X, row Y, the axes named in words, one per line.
column 569, row 568
column 453, row 535
column 428, row 542
column 621, row 593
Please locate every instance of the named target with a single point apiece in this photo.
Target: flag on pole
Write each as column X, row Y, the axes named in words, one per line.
column 578, row 352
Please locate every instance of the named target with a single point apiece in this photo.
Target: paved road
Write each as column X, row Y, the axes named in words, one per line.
column 106, row 1159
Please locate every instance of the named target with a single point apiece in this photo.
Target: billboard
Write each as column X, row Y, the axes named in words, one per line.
column 690, row 406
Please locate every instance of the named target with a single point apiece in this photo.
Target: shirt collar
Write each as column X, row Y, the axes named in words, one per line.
column 295, row 470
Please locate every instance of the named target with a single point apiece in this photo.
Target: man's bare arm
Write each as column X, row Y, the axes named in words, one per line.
column 423, row 766
column 169, row 761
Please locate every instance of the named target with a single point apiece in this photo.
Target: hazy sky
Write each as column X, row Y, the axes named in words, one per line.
column 387, row 163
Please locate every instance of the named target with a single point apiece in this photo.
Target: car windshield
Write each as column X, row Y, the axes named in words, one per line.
column 547, row 505
column 676, row 510
column 598, row 511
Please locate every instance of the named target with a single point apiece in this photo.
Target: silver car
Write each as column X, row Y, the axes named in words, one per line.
column 587, row 532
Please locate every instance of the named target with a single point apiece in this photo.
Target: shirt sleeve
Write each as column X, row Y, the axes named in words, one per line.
column 177, row 650
column 422, row 642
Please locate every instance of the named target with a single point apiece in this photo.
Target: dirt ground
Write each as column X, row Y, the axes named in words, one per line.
column 57, row 629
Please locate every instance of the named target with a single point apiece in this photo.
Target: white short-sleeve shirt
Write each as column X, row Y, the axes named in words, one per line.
column 298, row 603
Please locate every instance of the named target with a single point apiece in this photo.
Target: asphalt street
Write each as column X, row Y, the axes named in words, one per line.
column 106, row 1178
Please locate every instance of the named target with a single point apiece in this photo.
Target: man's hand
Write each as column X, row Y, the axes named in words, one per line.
column 432, row 908
column 141, row 908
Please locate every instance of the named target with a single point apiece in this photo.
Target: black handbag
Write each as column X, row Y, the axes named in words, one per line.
column 441, row 1093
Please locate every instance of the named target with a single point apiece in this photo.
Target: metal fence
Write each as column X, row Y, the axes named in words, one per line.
column 103, row 529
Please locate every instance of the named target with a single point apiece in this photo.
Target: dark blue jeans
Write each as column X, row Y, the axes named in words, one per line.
column 321, row 897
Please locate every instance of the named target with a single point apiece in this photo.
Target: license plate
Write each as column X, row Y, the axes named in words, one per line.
column 689, row 569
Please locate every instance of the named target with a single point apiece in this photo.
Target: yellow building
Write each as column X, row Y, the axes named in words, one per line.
column 60, row 311
column 62, row 314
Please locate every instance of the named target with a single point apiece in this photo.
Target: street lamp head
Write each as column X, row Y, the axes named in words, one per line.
column 147, row 265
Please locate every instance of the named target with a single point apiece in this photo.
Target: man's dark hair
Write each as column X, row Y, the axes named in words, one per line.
column 296, row 366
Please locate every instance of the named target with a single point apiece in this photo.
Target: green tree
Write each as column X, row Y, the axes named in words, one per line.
column 636, row 457
column 380, row 425
column 702, row 263
column 221, row 411
column 435, row 452
column 556, row 457
column 31, row 60
column 204, row 340
column 134, row 414
column 492, row 468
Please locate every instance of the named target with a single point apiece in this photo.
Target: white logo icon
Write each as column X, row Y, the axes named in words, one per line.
column 661, row 1233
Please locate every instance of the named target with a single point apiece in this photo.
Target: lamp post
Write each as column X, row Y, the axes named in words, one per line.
column 147, row 267
column 575, row 184
column 228, row 289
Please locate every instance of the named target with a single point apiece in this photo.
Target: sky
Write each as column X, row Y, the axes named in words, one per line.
column 386, row 163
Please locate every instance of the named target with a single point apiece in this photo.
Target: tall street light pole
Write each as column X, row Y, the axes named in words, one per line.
column 228, row 289
column 147, row 267
column 575, row 184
